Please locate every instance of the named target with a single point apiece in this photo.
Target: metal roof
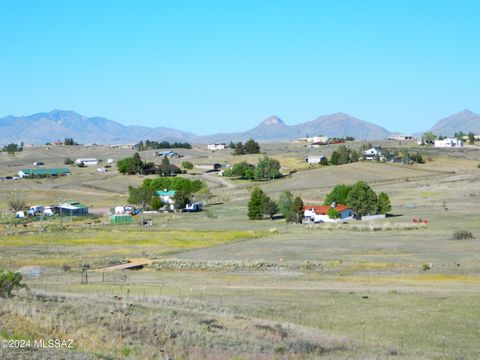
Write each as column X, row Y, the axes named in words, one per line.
column 45, row 171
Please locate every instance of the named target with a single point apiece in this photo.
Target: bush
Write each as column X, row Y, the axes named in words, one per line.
column 68, row 161
column 187, row 165
column 10, row 281
column 462, row 235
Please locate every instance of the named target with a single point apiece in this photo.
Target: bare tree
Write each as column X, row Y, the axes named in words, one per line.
column 16, row 203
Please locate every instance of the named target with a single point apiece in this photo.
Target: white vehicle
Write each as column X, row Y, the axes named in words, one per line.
column 20, row 214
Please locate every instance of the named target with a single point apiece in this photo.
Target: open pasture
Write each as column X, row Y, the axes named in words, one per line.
column 224, row 287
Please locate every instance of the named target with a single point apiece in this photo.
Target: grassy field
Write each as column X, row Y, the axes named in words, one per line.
column 224, row 287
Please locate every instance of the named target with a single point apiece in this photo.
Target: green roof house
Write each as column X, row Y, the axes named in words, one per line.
column 166, row 197
column 43, row 172
column 72, row 208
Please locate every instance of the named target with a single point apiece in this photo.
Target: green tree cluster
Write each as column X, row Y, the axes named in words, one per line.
column 361, row 198
column 144, row 194
column 153, row 145
column 131, row 165
column 175, row 183
column 250, row 147
column 343, row 155
column 261, row 206
column 12, row 148
column 69, row 141
column 266, row 169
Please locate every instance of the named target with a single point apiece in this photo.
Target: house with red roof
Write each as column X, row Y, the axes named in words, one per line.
column 319, row 214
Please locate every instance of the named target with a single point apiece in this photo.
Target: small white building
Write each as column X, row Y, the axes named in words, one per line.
column 314, row 159
column 373, row 153
column 448, row 143
column 215, row 147
column 400, row 137
column 316, row 139
column 86, row 162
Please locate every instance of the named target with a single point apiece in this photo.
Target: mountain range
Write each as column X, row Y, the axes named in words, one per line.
column 465, row 121
column 58, row 124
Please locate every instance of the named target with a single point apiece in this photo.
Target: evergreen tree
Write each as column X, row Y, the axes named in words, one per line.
column 239, row 149
column 256, row 204
column 383, row 204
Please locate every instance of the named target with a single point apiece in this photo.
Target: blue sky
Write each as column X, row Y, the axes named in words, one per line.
column 215, row 66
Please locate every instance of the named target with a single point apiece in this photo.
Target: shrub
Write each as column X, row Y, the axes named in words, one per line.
column 68, row 161
column 10, row 281
column 462, row 235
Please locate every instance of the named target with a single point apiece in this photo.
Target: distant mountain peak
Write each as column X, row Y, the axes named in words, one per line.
column 465, row 120
column 272, row 120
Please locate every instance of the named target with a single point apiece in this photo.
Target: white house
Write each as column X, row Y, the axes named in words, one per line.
column 215, row 147
column 86, row 162
column 448, row 142
column 373, row 152
column 314, row 159
column 319, row 214
column 316, row 139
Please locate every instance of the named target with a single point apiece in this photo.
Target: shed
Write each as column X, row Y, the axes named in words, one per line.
column 121, row 219
column 72, row 208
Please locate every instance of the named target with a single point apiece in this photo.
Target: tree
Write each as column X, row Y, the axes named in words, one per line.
column 338, row 195
column 187, row 165
column 243, row 170
column 285, row 204
column 256, row 204
column 231, row 145
column 429, row 137
column 131, row 165
column 10, row 281
column 324, row 161
column 269, row 208
column 69, row 141
column 471, row 138
column 362, row 199
column 140, row 195
column 383, row 203
column 267, row 168
column 296, row 210
column 334, row 158
column 156, row 203
column 333, row 214
column 165, row 161
column 252, row 147
column 16, row 203
column 11, row 149
column 239, row 149
column 182, row 198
